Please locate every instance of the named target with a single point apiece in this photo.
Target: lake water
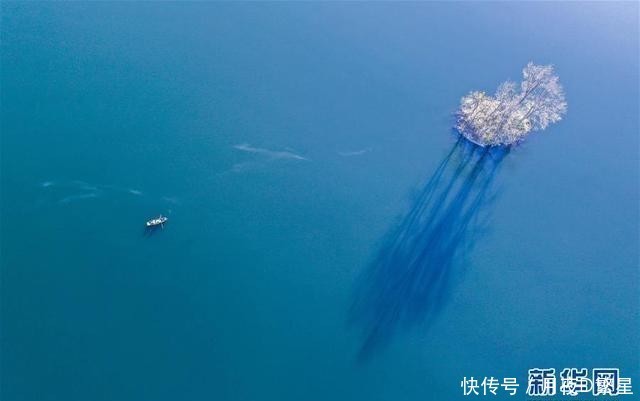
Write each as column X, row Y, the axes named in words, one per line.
column 284, row 141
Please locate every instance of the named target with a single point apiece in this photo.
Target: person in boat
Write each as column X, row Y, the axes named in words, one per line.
column 159, row 221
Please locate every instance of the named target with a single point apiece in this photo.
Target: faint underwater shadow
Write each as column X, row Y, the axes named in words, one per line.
column 148, row 232
column 408, row 281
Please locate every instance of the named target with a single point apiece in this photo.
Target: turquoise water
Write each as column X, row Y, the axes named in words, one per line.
column 114, row 112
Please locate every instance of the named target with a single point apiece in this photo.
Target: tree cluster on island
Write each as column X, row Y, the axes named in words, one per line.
column 514, row 111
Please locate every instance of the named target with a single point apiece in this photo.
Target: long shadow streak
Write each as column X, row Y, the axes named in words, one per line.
column 408, row 281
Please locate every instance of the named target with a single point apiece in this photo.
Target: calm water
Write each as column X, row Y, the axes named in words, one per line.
column 115, row 112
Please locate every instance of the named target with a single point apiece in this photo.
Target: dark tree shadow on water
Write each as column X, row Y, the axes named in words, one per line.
column 408, row 281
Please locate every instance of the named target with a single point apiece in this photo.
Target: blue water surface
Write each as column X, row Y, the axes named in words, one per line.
column 285, row 141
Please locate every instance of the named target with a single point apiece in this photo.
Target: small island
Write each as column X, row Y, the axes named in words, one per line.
column 514, row 112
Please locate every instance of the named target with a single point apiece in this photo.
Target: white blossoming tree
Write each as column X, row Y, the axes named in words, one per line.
column 509, row 116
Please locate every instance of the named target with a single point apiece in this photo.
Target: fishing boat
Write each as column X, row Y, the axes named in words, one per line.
column 158, row 221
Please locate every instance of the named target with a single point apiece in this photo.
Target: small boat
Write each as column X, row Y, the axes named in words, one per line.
column 159, row 221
